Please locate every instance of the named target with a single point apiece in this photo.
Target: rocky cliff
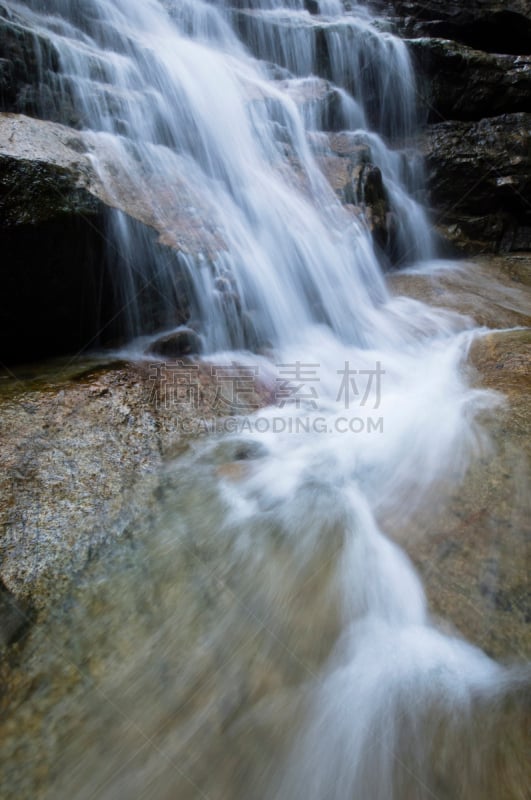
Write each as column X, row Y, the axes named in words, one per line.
column 473, row 62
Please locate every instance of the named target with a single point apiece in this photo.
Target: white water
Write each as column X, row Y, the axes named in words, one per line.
column 173, row 87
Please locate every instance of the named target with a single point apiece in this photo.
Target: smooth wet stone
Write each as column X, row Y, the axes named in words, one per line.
column 472, row 542
column 80, row 453
column 184, row 342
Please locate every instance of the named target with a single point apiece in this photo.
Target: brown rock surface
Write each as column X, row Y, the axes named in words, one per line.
column 473, row 546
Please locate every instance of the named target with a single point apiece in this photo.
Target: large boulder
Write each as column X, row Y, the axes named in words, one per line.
column 479, row 174
column 59, row 267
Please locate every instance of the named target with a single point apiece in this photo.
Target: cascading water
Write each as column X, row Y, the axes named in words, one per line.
column 174, row 92
column 223, row 99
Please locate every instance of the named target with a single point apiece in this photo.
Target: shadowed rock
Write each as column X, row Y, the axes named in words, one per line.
column 184, row 342
column 458, row 82
column 60, row 272
column 479, row 174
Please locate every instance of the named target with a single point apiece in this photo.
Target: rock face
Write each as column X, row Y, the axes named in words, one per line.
column 474, row 70
column 24, row 57
column 49, row 221
column 458, row 82
column 57, row 268
column 359, row 184
column 80, row 444
column 472, row 549
column 495, row 26
column 480, row 179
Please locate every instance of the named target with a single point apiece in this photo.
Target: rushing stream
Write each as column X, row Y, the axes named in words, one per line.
column 288, row 651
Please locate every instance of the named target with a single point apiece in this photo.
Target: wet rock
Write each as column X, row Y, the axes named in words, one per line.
column 458, row 82
column 33, row 191
column 473, row 62
column 66, row 429
column 15, row 617
column 322, row 40
column 320, row 103
column 366, row 190
column 359, row 184
column 474, row 555
column 184, row 342
column 479, row 177
column 29, row 77
column 58, row 268
column 471, row 543
column 157, row 616
column 227, row 298
column 497, row 26
column 254, row 331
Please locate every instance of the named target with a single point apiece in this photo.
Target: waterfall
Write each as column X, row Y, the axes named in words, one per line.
column 234, row 106
column 178, row 99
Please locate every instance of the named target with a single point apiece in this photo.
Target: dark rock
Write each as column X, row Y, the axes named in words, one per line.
column 457, row 82
column 58, row 268
column 253, row 329
column 16, row 617
column 360, row 186
column 476, row 66
column 183, row 342
column 29, row 73
column 496, row 26
column 479, row 175
column 366, row 190
column 32, row 192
